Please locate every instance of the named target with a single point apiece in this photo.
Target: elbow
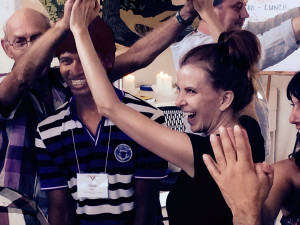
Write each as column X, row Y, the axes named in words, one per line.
column 143, row 62
column 106, row 109
column 22, row 78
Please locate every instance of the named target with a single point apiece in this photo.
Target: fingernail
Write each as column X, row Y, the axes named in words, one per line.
column 221, row 129
column 212, row 137
column 237, row 128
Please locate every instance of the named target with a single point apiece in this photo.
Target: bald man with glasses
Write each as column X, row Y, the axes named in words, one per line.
column 29, row 93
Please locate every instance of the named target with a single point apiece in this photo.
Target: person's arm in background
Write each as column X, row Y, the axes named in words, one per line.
column 283, row 186
column 244, row 185
column 61, row 207
column 261, row 27
column 146, row 201
column 145, row 50
column 279, row 42
column 34, row 62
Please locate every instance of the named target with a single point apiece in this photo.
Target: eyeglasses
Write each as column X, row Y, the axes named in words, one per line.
column 21, row 43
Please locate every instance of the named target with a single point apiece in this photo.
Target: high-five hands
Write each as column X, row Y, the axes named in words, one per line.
column 83, row 13
column 244, row 185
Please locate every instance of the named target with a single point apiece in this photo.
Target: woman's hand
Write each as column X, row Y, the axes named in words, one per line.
column 83, row 13
column 244, row 185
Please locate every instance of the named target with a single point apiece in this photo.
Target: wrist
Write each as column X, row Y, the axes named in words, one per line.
column 242, row 217
column 188, row 14
column 61, row 24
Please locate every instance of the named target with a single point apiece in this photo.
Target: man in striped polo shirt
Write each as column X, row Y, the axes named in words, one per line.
column 86, row 161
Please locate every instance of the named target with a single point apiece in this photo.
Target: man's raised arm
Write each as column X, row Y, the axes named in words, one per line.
column 34, row 63
column 145, row 50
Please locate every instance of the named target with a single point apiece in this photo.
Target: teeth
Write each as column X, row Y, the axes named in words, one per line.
column 188, row 113
column 78, row 82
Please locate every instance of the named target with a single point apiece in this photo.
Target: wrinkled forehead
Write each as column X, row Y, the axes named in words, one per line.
column 230, row 2
column 25, row 25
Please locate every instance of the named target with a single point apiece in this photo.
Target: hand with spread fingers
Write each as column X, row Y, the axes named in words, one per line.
column 244, row 185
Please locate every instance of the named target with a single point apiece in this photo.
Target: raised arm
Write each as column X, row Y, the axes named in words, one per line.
column 263, row 26
column 34, row 63
column 171, row 145
column 244, row 185
column 279, row 42
column 145, row 50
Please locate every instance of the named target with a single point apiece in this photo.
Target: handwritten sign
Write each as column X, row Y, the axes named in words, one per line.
column 260, row 10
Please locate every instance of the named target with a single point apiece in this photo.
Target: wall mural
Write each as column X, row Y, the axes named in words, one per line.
column 129, row 19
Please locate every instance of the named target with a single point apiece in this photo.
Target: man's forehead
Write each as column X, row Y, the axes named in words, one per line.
column 30, row 19
column 24, row 30
column 234, row 2
column 69, row 54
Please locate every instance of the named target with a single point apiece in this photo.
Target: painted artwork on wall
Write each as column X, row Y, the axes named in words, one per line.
column 129, row 19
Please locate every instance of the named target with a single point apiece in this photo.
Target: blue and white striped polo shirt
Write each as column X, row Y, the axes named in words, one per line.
column 62, row 136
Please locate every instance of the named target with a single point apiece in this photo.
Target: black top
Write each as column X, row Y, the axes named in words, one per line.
column 198, row 200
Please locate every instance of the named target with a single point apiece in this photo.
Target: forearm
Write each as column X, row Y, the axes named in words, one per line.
column 144, row 51
column 31, row 66
column 61, row 207
column 263, row 26
column 40, row 54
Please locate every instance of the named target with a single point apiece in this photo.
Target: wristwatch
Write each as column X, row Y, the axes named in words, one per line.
column 181, row 20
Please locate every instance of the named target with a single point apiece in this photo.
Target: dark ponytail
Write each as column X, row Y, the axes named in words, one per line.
column 228, row 64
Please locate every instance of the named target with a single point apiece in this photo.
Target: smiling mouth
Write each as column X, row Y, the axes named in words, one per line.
column 190, row 115
column 78, row 82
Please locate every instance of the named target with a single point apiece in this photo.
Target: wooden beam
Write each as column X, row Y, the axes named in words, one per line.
column 275, row 73
column 279, row 73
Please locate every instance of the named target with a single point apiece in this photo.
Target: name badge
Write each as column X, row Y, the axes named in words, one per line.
column 92, row 185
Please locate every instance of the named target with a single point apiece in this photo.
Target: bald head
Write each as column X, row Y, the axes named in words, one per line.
column 26, row 16
column 25, row 24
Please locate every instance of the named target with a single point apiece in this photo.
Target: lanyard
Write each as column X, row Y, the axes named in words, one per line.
column 107, row 150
